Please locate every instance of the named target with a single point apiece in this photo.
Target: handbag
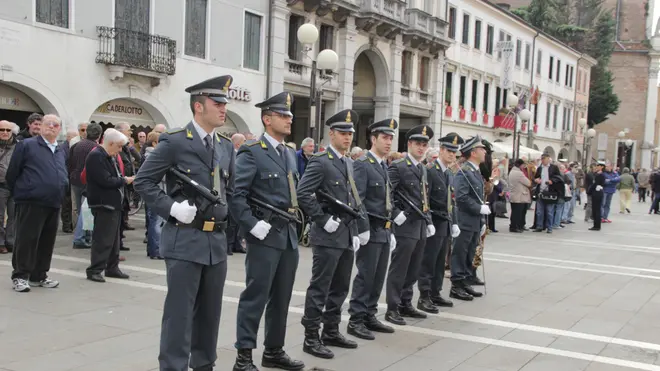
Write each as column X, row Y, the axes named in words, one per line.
column 548, row 197
column 499, row 207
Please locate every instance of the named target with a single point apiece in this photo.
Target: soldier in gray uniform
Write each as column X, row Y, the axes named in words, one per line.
column 413, row 225
column 333, row 236
column 193, row 240
column 469, row 191
column 376, row 239
column 266, row 171
column 446, row 224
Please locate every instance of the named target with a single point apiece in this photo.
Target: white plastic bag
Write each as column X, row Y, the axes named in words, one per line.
column 583, row 198
column 87, row 217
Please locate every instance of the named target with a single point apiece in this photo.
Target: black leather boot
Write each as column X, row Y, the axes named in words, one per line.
column 375, row 325
column 439, row 301
column 277, row 358
column 314, row 346
column 244, row 361
column 407, row 310
column 357, row 328
column 332, row 337
column 425, row 304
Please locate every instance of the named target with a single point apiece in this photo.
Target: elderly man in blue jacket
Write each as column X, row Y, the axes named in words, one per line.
column 37, row 179
column 611, row 180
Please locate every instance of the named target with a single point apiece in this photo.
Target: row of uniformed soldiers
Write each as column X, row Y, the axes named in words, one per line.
column 360, row 210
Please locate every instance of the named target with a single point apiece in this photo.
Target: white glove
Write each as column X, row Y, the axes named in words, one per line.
column 260, row 230
column 356, row 243
column 455, row 231
column 364, row 237
column 485, row 210
column 400, row 219
column 483, row 230
column 430, row 230
column 183, row 212
column 599, row 188
column 392, row 242
column 331, row 225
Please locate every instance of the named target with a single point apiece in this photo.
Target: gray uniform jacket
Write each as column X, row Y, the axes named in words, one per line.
column 372, row 188
column 326, row 171
column 440, row 191
column 262, row 173
column 184, row 148
column 408, row 179
column 467, row 201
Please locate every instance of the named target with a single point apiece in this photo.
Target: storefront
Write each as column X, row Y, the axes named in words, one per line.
column 123, row 110
column 16, row 106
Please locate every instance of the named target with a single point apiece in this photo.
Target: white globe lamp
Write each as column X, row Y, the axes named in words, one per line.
column 582, row 122
column 327, row 60
column 591, row 133
column 525, row 114
column 629, row 143
column 308, row 33
column 512, row 100
column 621, row 134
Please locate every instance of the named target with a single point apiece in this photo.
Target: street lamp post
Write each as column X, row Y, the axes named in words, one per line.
column 591, row 133
column 524, row 115
column 327, row 59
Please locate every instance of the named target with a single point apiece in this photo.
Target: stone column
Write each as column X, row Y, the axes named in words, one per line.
column 468, row 95
column 492, row 104
column 455, row 93
column 651, row 109
column 394, row 89
column 280, row 19
column 479, row 109
column 436, row 84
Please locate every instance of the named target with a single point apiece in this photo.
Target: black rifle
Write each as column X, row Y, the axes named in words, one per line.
column 340, row 206
column 379, row 217
column 414, row 207
column 210, row 197
column 267, row 210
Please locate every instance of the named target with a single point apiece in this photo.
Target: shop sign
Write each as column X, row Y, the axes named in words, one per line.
column 120, row 108
column 7, row 101
column 240, row 94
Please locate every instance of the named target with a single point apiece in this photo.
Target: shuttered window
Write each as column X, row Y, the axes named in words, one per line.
column 252, row 41
column 53, row 12
column 196, row 28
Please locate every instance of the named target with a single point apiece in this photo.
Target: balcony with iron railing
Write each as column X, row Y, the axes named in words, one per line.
column 137, row 51
column 392, row 9
column 299, row 73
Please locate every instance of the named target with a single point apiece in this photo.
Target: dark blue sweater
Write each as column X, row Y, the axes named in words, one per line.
column 36, row 175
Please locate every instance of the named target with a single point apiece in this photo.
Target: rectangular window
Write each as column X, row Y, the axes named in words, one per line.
column 424, row 65
column 53, row 12
column 570, row 79
column 554, row 119
column 448, row 86
column 195, row 41
column 461, row 91
column 486, row 92
column 477, row 34
column 326, row 37
column 490, row 35
column 528, row 55
column 466, row 29
column 295, row 48
column 551, row 65
column 475, row 92
column 539, row 62
column 567, row 74
column 579, row 80
column 406, row 68
column 547, row 115
column 518, row 52
column 452, row 23
column 500, row 38
column 498, row 96
column 252, row 41
column 563, row 118
column 558, row 76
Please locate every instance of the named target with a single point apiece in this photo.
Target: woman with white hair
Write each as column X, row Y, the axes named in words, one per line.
column 8, row 131
column 105, row 195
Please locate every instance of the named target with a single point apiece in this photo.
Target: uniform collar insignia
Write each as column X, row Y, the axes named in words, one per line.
column 263, row 145
column 330, row 156
column 408, row 162
column 189, row 134
column 371, row 160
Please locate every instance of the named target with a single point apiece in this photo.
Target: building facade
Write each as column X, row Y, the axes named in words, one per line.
column 481, row 72
column 130, row 60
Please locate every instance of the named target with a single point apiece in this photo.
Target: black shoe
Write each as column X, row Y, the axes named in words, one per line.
column 145, row 240
column 314, row 346
column 123, row 248
column 394, row 317
column 277, row 358
column 460, row 294
column 81, row 246
column 471, row 291
column 538, row 230
column 206, row 368
column 332, row 337
column 439, row 301
column 240, row 250
column 373, row 324
column 128, row 227
column 117, row 274
column 628, row 210
column 515, row 230
column 594, row 229
column 96, row 277
column 476, row 282
column 426, row 305
column 409, row 311
column 359, row 330
column 244, row 361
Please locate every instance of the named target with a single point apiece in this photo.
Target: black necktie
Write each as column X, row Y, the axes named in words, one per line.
column 280, row 150
column 382, row 164
column 208, row 141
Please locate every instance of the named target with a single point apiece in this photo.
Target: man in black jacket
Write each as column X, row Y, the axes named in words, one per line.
column 33, row 127
column 105, row 195
column 549, row 187
column 36, row 179
column 588, row 181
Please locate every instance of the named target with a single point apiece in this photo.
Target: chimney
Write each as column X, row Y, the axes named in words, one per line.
column 504, row 6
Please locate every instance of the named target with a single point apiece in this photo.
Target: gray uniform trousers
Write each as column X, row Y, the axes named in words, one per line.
column 194, row 291
column 404, row 271
column 433, row 264
column 270, row 274
column 462, row 256
column 328, row 288
column 371, row 262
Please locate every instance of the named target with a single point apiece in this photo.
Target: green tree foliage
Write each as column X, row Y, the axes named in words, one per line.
column 603, row 102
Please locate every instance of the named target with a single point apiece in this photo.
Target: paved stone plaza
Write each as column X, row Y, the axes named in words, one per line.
column 573, row 300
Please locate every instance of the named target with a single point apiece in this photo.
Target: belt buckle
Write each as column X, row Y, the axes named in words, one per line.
column 388, row 224
column 208, row 226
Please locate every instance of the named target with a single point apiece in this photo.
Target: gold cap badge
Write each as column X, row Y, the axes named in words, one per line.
column 288, row 100
column 227, row 84
column 348, row 116
column 424, row 131
column 455, row 141
column 392, row 124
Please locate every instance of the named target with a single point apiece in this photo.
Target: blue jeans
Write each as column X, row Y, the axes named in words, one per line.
column 80, row 237
column 569, row 207
column 607, row 200
column 655, row 202
column 559, row 212
column 544, row 215
column 153, row 236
